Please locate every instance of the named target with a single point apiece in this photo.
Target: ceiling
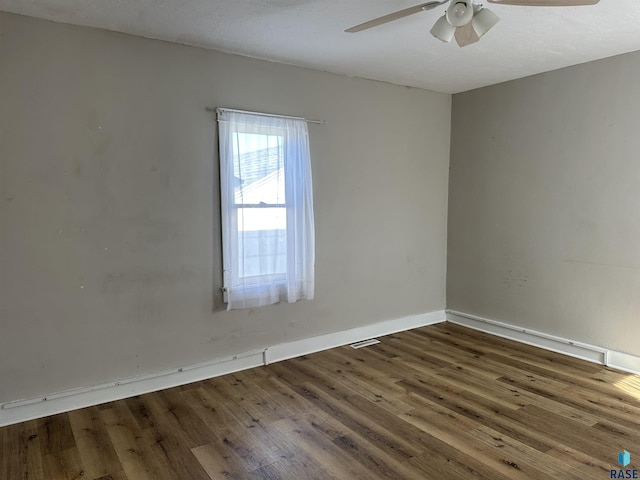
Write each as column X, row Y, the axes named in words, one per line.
column 310, row 33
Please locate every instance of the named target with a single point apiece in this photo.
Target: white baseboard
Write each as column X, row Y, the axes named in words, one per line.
column 59, row 402
column 591, row 353
column 623, row 361
column 332, row 340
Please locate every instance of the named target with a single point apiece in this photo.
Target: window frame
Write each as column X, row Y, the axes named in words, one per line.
column 232, row 278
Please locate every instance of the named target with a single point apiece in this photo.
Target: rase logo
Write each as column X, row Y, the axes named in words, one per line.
column 624, row 459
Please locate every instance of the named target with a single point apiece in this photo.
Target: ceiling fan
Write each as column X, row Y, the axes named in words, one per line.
column 463, row 19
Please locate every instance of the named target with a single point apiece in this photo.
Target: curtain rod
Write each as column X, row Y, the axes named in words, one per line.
column 221, row 109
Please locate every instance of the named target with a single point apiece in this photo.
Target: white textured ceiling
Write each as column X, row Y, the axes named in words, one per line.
column 528, row 40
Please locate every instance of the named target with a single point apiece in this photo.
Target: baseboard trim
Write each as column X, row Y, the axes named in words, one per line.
column 591, row 353
column 623, row 361
column 59, row 402
column 306, row 346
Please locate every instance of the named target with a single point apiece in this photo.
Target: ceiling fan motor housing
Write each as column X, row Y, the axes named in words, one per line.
column 459, row 13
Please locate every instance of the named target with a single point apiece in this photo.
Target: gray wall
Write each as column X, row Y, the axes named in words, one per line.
column 109, row 209
column 544, row 203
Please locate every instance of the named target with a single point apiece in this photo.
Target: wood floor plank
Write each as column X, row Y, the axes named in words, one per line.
column 448, row 427
column 307, row 434
column 521, row 456
column 246, row 440
column 114, row 476
column 292, row 460
column 453, row 463
column 593, row 383
column 484, row 343
column 593, row 403
column 251, row 454
column 21, row 458
column 442, row 350
column 170, row 406
column 479, row 410
column 414, row 350
column 55, row 434
column 288, row 469
column 381, row 377
column 297, row 373
column 361, row 382
column 590, row 467
column 396, row 445
column 433, row 403
column 465, row 378
column 93, row 442
column 219, row 464
column 283, row 395
column 140, row 410
column 64, row 465
column 260, row 401
column 212, row 412
column 339, row 461
column 125, row 439
column 566, row 431
column 524, row 396
column 167, row 444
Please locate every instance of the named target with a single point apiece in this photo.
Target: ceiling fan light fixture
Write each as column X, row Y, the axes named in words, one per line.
column 483, row 21
column 459, row 13
column 443, row 30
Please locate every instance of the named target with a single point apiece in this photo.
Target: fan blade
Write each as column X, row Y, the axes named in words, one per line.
column 395, row 16
column 466, row 35
column 546, row 3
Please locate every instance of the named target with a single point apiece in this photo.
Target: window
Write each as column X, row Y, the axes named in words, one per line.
column 267, row 209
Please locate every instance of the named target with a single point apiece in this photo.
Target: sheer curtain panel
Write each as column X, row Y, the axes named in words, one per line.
column 268, row 244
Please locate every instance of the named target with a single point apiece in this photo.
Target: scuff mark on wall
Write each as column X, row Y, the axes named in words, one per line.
column 600, row 264
column 127, row 281
column 515, row 279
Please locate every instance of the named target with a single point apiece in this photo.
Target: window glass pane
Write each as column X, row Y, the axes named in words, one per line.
column 258, row 166
column 259, row 172
column 259, row 219
column 262, row 241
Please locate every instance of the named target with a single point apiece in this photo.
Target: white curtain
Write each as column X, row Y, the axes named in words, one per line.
column 267, row 209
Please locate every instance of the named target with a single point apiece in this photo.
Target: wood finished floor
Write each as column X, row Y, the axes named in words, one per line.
column 440, row 402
